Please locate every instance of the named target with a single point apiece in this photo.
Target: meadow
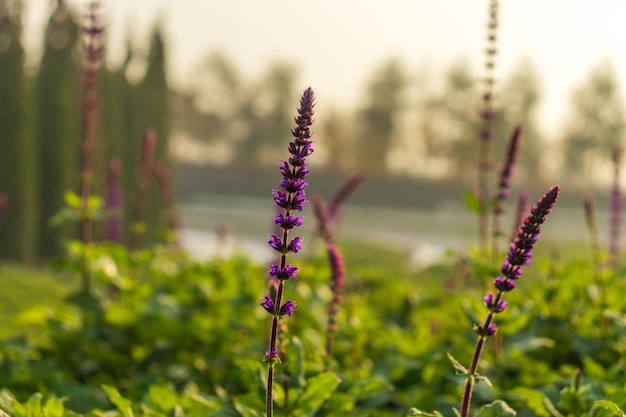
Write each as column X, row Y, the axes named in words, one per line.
column 290, row 293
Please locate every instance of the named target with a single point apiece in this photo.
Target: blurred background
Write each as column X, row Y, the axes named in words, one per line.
column 398, row 88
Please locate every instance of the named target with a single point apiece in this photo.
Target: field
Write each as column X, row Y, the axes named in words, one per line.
column 163, row 334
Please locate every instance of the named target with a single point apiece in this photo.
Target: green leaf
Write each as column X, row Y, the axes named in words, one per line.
column 122, row 404
column 163, row 398
column 54, row 408
column 460, row 369
column 497, row 408
column 605, row 408
column 72, row 199
column 33, row 405
column 316, row 391
column 535, row 400
column 472, row 202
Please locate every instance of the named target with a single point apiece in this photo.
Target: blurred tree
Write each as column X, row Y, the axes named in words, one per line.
column 596, row 124
column 519, row 100
column 115, row 128
column 449, row 122
column 58, row 92
column 267, row 111
column 378, row 117
column 153, row 95
column 337, row 138
column 210, row 113
column 18, row 175
column 152, row 111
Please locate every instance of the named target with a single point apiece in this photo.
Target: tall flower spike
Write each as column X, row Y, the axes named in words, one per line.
column 615, row 208
column 486, row 133
column 290, row 198
column 114, row 226
column 337, row 268
column 592, row 229
column 519, row 255
column 504, row 186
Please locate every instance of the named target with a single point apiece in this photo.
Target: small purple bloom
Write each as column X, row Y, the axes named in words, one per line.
column 295, row 245
column 271, row 354
column 287, row 222
column 280, row 199
column 504, row 284
column 486, row 331
column 298, row 201
column 283, row 274
column 492, row 306
column 275, row 242
column 293, row 185
column 288, row 308
column 268, row 304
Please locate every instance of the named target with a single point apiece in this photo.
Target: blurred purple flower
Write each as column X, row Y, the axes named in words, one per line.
column 288, row 308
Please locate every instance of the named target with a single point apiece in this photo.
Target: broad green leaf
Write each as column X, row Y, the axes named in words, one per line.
column 497, row 408
column 339, row 403
column 122, row 404
column 605, row 408
column 163, row 398
column 316, row 391
column 33, row 405
column 535, row 400
column 54, row 408
column 472, row 202
column 296, row 360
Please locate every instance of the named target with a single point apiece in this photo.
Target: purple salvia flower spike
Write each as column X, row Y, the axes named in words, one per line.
column 114, row 224
column 486, row 132
column 615, row 211
column 504, row 186
column 290, row 198
column 519, row 255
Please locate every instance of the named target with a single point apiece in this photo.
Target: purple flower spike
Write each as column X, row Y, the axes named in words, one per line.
column 291, row 197
column 288, row 308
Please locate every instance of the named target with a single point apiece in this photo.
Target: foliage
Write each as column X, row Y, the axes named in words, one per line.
column 173, row 334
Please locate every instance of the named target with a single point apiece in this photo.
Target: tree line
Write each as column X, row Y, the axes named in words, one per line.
column 402, row 125
column 40, row 121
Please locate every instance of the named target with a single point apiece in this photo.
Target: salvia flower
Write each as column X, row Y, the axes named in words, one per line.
column 288, row 308
column 268, row 304
column 504, row 186
column 291, row 197
column 519, row 255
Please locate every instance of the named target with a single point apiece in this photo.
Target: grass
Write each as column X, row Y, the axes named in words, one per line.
column 25, row 287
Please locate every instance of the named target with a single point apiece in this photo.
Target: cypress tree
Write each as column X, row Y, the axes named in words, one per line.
column 58, row 95
column 17, row 160
column 152, row 112
column 116, row 128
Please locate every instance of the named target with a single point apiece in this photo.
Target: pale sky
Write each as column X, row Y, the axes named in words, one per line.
column 336, row 44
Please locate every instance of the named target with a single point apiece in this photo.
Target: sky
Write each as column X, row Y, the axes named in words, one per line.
column 337, row 44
